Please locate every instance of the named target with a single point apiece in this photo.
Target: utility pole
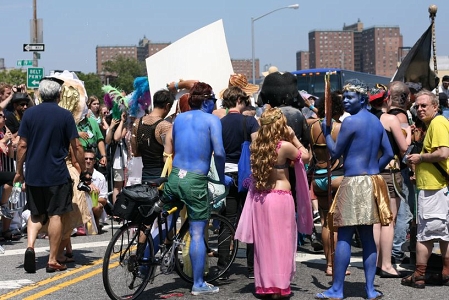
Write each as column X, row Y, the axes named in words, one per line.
column 35, row 54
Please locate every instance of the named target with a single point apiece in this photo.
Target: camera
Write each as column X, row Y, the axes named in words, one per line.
column 83, row 187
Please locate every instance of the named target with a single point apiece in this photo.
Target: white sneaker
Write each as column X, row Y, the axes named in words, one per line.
column 206, row 289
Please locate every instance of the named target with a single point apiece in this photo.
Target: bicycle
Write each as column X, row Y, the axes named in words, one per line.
column 126, row 268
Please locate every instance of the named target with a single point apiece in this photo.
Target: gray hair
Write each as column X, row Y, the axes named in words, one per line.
column 49, row 90
column 433, row 98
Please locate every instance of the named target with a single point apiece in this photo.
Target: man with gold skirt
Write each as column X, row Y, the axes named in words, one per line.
column 362, row 199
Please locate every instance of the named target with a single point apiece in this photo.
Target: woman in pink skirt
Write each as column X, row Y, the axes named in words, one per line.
column 268, row 217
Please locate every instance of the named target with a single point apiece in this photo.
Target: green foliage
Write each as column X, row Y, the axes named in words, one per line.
column 123, row 71
column 92, row 84
column 13, row 77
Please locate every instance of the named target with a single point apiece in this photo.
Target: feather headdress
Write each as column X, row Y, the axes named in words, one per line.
column 114, row 101
column 140, row 99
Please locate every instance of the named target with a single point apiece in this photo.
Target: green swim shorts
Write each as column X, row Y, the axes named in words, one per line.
column 190, row 189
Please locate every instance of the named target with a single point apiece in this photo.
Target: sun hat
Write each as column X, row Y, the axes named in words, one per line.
column 271, row 69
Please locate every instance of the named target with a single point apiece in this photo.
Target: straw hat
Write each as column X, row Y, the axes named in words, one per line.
column 240, row 80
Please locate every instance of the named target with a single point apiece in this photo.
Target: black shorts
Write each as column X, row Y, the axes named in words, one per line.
column 51, row 200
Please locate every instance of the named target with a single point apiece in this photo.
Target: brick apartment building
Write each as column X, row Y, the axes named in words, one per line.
column 147, row 48
column 144, row 49
column 373, row 50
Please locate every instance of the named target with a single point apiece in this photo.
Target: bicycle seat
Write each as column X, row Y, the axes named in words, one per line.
column 156, row 182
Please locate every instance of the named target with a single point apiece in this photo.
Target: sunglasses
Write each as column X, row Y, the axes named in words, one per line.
column 89, row 158
column 23, row 104
column 2, row 115
column 211, row 97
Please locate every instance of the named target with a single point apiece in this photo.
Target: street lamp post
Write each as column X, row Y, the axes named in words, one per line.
column 294, row 6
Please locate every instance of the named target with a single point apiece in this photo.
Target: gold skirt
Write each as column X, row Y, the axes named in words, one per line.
column 361, row 200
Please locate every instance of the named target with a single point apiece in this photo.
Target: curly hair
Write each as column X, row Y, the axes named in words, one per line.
column 273, row 129
column 337, row 105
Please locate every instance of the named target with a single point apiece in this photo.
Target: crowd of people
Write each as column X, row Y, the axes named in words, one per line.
column 377, row 170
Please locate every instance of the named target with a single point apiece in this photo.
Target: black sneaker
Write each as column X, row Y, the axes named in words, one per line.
column 250, row 273
column 29, row 263
column 316, row 217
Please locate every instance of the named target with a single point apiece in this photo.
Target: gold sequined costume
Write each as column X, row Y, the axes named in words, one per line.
column 361, row 200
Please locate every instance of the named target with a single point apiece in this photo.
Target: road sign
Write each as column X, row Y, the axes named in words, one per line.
column 33, row 47
column 34, row 75
column 24, row 63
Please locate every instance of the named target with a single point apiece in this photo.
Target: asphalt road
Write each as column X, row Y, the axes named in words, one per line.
column 83, row 278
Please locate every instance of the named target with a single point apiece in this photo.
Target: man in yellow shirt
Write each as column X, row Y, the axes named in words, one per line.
column 433, row 196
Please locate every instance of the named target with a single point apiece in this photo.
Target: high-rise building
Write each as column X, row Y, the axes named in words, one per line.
column 144, row 49
column 302, row 60
column 380, row 50
column 373, row 50
column 245, row 67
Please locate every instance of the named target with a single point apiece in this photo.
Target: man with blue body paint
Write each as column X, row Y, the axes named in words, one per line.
column 362, row 199
column 196, row 135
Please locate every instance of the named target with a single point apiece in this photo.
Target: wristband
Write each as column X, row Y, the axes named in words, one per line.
column 311, row 107
column 420, row 158
column 176, row 85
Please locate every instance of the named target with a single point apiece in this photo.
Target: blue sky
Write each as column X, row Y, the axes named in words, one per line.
column 72, row 29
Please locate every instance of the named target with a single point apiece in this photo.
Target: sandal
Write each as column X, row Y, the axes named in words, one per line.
column 68, row 254
column 445, row 280
column 414, row 281
column 51, row 268
column 66, row 260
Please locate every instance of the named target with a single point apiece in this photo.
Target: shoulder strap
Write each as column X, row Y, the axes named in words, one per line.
column 439, row 168
column 245, row 134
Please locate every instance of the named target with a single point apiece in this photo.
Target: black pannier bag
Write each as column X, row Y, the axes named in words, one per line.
column 131, row 197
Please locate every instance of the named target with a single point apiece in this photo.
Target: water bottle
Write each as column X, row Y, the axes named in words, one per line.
column 15, row 194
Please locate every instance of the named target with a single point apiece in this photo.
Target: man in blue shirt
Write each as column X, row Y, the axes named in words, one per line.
column 46, row 132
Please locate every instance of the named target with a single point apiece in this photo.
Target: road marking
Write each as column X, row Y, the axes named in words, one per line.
column 47, row 248
column 49, row 280
column 68, row 283
column 14, row 284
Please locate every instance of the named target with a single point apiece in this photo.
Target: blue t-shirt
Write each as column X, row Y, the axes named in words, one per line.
column 48, row 130
column 233, row 137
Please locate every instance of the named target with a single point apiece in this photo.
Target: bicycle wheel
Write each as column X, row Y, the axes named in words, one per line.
column 125, row 273
column 221, row 249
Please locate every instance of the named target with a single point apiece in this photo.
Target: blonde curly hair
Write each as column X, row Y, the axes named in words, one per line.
column 273, row 129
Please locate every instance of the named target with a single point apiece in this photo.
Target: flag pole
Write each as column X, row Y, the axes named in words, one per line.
column 432, row 14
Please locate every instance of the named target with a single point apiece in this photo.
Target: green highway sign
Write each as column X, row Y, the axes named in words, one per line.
column 24, row 63
column 34, row 75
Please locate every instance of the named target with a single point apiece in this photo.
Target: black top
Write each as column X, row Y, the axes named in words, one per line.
column 150, row 149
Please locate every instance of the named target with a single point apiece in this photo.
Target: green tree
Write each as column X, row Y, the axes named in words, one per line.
column 92, row 84
column 123, row 71
column 14, row 76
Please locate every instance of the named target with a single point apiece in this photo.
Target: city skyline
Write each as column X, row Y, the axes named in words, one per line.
column 71, row 33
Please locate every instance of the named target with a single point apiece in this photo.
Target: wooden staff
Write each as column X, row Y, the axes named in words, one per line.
column 328, row 115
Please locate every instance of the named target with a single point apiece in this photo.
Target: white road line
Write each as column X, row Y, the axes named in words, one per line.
column 14, row 284
column 47, row 249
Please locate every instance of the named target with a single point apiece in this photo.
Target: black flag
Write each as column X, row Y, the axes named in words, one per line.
column 416, row 65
